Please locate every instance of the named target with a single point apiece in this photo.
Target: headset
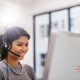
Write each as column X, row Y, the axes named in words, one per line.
column 5, row 49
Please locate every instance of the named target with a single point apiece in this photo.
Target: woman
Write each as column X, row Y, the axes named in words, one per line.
column 15, row 46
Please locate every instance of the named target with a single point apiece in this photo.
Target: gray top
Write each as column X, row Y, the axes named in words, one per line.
column 9, row 73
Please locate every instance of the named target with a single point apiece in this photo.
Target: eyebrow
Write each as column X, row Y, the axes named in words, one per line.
column 22, row 42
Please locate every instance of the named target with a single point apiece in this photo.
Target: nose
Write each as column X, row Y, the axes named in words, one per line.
column 24, row 49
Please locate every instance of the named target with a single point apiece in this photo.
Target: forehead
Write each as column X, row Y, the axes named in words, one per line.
column 21, row 39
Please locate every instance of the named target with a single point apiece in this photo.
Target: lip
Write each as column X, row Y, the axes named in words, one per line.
column 21, row 55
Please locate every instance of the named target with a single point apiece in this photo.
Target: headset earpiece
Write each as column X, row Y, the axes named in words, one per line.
column 4, row 48
column 5, row 43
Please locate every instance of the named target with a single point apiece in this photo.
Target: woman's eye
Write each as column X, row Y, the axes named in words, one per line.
column 26, row 44
column 19, row 44
column 22, row 45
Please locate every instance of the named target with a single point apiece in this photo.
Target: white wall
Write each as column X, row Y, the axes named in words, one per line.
column 49, row 5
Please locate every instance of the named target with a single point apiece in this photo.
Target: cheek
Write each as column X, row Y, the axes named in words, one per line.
column 15, row 49
column 26, row 49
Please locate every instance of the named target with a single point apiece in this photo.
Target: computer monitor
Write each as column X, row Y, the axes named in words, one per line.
column 52, row 41
column 63, row 57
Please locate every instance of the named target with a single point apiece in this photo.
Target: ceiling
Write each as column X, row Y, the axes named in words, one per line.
column 22, row 2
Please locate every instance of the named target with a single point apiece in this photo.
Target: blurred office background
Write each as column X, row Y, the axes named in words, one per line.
column 38, row 17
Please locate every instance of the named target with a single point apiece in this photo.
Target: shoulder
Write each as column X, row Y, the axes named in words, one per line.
column 2, row 70
column 2, row 65
column 30, row 71
column 28, row 67
column 1, row 62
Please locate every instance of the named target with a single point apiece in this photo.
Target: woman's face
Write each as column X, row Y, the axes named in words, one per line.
column 20, row 47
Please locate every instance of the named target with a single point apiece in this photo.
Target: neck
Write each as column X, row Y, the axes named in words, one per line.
column 12, row 62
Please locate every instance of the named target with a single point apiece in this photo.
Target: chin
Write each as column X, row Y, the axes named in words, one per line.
column 21, row 58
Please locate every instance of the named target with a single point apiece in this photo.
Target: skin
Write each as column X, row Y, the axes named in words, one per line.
column 20, row 47
column 78, row 68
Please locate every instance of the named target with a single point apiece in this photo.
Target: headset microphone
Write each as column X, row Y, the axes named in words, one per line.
column 14, row 53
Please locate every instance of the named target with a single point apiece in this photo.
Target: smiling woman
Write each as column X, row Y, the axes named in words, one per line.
column 15, row 46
